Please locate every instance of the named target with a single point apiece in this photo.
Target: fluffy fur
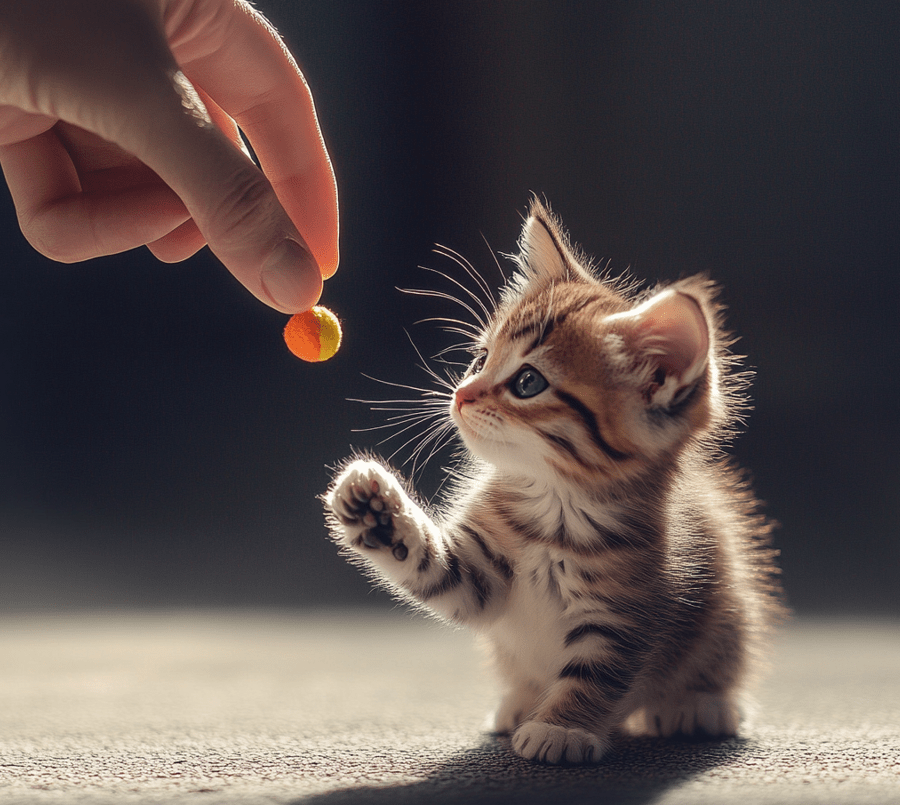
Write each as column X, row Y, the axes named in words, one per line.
column 603, row 545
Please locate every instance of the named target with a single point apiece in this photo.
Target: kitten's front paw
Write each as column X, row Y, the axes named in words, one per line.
column 547, row 743
column 365, row 499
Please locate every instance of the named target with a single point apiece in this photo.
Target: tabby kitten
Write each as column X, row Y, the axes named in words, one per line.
column 611, row 556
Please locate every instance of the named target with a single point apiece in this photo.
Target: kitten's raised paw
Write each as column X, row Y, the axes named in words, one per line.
column 365, row 498
column 548, row 743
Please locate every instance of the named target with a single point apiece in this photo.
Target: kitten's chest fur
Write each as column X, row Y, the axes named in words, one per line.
column 573, row 555
column 567, row 521
column 526, row 635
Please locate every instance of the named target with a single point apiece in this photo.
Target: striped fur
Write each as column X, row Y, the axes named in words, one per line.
column 612, row 557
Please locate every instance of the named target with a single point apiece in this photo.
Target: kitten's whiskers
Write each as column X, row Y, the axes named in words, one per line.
column 423, row 424
column 466, row 265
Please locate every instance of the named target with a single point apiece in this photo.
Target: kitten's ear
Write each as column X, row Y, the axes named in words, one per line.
column 669, row 334
column 544, row 254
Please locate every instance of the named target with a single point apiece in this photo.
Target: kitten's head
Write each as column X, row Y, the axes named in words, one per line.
column 574, row 377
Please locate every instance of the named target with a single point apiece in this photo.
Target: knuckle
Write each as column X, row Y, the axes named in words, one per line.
column 248, row 207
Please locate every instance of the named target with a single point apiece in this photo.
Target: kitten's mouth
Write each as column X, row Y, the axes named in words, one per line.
column 485, row 445
column 458, row 419
column 467, row 429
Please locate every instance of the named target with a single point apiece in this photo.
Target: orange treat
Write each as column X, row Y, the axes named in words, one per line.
column 313, row 335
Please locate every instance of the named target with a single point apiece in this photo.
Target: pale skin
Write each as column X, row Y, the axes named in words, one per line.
column 119, row 128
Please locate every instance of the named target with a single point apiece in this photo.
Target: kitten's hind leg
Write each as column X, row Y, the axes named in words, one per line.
column 717, row 715
column 514, row 707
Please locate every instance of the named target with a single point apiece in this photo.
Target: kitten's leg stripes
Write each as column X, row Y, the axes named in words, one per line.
column 573, row 722
column 378, row 521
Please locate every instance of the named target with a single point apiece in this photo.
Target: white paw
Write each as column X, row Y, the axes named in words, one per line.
column 717, row 715
column 513, row 709
column 701, row 713
column 503, row 721
column 547, row 743
column 365, row 499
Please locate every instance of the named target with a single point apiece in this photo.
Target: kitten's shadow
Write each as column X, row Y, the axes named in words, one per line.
column 638, row 771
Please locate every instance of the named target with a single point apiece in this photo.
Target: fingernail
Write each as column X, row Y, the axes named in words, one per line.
column 291, row 278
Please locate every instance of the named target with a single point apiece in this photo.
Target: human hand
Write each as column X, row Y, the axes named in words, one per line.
column 119, row 127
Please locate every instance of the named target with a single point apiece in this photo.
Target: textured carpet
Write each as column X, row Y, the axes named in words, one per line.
column 340, row 708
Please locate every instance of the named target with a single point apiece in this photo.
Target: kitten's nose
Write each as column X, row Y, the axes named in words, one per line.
column 466, row 394
column 463, row 397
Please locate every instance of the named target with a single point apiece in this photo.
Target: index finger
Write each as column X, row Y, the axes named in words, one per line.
column 250, row 74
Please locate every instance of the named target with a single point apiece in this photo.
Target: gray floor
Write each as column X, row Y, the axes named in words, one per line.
column 343, row 708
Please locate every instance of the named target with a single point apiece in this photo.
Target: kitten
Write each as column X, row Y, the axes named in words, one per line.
column 612, row 557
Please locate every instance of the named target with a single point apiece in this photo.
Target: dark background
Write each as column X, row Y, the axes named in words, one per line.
column 159, row 445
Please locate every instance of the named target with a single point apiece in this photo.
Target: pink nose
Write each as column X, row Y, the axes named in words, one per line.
column 463, row 397
column 467, row 394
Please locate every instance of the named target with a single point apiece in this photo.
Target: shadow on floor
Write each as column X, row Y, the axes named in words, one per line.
column 638, row 771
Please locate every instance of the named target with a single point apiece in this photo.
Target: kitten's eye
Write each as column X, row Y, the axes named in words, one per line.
column 478, row 364
column 528, row 383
